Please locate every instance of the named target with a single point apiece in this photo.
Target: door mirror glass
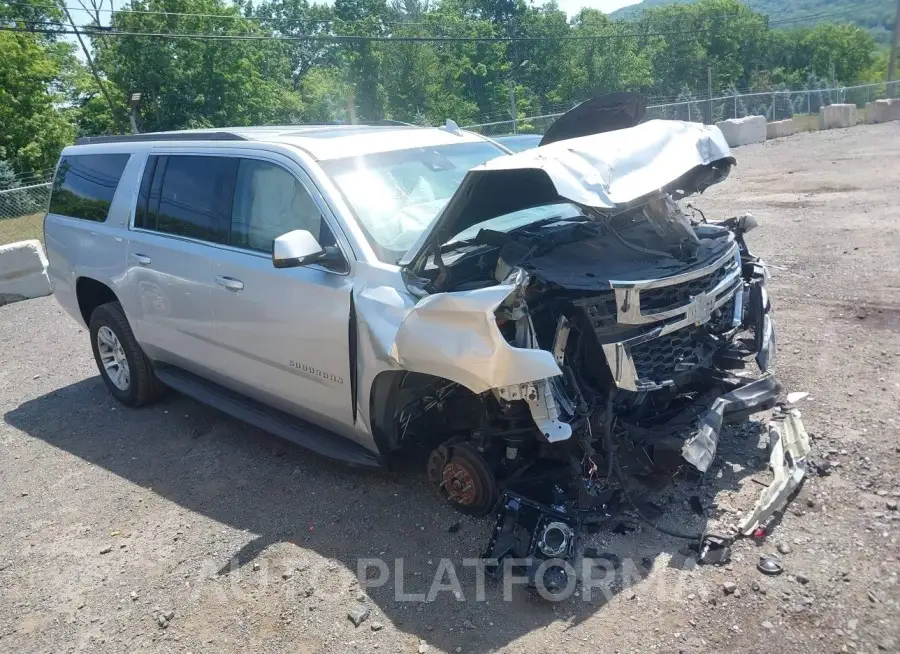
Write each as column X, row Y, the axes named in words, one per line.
column 296, row 248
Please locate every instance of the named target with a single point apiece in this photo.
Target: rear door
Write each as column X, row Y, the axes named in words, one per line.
column 284, row 333
column 182, row 215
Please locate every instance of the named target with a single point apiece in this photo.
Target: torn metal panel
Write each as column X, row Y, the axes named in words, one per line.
column 455, row 336
column 542, row 404
column 700, row 449
column 790, row 447
column 600, row 171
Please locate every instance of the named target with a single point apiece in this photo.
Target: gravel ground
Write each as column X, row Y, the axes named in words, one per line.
column 175, row 528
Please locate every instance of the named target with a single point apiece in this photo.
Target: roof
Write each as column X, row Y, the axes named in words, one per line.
column 321, row 141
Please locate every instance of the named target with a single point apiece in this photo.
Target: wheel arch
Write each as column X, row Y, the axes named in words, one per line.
column 90, row 294
column 391, row 391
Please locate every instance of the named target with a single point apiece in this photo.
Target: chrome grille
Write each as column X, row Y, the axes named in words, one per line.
column 658, row 359
column 665, row 298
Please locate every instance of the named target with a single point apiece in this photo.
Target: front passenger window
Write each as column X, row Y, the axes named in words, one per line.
column 268, row 202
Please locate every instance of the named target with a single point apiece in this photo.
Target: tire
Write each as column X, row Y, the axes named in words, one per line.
column 468, row 481
column 133, row 384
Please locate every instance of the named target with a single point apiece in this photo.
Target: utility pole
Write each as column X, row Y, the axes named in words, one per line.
column 512, row 105
column 709, row 94
column 90, row 61
column 892, row 66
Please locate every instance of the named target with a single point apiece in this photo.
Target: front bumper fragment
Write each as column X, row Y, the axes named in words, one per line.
column 700, row 449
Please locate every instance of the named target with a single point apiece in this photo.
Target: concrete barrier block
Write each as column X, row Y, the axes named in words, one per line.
column 780, row 128
column 883, row 111
column 837, row 115
column 743, row 131
column 23, row 272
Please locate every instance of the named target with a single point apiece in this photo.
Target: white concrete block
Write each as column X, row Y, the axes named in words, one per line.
column 23, row 271
column 837, row 115
column 780, row 129
column 742, row 131
column 883, row 111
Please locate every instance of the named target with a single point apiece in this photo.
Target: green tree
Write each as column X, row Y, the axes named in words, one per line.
column 198, row 82
column 33, row 130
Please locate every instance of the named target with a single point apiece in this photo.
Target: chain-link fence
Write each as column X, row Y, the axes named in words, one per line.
column 24, row 200
column 774, row 105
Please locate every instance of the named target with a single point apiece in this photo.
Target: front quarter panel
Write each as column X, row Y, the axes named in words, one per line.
column 450, row 335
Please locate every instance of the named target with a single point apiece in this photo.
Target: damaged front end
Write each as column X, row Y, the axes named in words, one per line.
column 576, row 324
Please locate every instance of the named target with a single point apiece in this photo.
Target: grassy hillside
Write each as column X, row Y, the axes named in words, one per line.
column 875, row 15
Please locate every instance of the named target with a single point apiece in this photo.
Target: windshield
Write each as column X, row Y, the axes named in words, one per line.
column 397, row 194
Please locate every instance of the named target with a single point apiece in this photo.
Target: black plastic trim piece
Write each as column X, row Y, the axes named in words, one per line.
column 276, row 422
column 160, row 136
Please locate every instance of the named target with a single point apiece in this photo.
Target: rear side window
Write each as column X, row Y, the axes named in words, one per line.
column 85, row 185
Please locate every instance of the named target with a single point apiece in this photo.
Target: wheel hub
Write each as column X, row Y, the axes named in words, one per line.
column 113, row 359
column 461, row 483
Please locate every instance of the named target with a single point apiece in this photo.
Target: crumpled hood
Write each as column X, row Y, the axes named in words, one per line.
column 600, row 171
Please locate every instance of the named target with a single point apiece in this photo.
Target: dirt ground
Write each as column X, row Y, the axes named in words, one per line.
column 113, row 519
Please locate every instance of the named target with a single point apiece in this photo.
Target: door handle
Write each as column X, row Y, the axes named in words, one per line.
column 142, row 259
column 230, row 283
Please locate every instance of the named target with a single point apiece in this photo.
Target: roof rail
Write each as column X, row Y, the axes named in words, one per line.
column 160, row 136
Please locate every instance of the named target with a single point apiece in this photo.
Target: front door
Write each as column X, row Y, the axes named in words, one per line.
column 284, row 334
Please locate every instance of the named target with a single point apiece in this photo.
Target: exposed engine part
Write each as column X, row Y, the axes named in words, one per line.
column 543, row 536
column 555, row 539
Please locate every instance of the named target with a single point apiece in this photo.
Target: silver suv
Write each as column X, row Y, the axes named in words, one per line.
column 370, row 290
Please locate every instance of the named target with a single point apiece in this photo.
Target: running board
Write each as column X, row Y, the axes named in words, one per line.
column 276, row 422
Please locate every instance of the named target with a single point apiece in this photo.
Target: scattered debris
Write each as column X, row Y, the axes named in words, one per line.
column 454, row 528
column 729, row 587
column 801, row 578
column 536, row 532
column 714, row 551
column 790, row 447
column 358, row 614
column 784, row 548
column 376, row 626
column 769, row 565
column 796, row 396
column 767, row 625
column 106, row 550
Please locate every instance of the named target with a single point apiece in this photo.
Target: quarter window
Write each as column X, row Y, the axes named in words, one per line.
column 85, row 184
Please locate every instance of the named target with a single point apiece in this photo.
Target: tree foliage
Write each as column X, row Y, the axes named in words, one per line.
column 47, row 95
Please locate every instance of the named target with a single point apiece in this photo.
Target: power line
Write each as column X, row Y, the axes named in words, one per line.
column 93, row 31
column 332, row 21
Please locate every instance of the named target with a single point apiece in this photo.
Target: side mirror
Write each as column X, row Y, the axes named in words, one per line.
column 296, row 248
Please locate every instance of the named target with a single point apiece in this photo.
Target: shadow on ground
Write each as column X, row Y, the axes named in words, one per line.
column 214, row 466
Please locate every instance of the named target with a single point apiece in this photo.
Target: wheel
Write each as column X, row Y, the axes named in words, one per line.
column 467, row 480
column 123, row 365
